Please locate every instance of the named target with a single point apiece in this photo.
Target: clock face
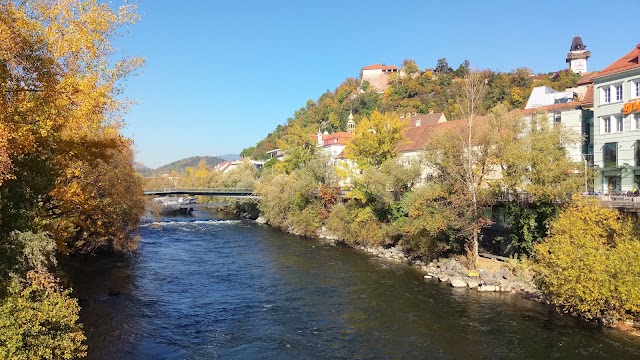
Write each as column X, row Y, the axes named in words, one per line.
column 579, row 65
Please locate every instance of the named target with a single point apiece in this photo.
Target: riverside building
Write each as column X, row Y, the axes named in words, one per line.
column 617, row 125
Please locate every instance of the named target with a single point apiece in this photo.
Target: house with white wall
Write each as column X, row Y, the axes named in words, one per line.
column 617, row 125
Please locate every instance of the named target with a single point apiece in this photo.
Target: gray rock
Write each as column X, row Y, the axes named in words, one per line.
column 443, row 277
column 472, row 283
column 505, row 274
column 488, row 288
column 458, row 282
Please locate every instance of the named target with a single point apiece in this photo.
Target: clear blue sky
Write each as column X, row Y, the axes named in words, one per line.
column 220, row 75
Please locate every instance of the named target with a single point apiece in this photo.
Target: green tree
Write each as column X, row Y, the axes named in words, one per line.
column 39, row 320
column 299, row 145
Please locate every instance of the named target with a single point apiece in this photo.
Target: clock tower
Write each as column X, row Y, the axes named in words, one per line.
column 577, row 56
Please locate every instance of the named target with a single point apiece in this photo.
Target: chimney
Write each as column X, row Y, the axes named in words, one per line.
column 418, row 122
column 430, row 111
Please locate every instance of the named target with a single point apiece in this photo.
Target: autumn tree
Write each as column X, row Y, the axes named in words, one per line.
column 589, row 263
column 462, row 156
column 66, row 178
column 375, row 139
column 299, row 145
column 536, row 172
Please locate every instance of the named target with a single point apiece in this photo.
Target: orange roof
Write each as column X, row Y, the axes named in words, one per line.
column 588, row 96
column 554, row 107
column 587, row 78
column 627, row 62
column 425, row 119
column 380, row 66
column 416, row 137
column 338, row 138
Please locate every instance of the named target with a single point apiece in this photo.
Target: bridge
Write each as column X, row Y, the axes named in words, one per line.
column 231, row 193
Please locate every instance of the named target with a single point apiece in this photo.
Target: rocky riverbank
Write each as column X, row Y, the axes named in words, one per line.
column 495, row 277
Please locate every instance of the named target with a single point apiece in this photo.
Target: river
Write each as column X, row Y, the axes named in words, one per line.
column 211, row 287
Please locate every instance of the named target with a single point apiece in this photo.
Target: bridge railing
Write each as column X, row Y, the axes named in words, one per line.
column 212, row 190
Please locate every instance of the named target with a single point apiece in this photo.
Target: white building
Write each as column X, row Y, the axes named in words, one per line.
column 545, row 96
column 617, row 125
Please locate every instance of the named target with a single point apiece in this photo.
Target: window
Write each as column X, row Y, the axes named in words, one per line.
column 606, row 95
column 635, row 124
column 557, row 118
column 637, row 152
column 620, row 123
column 636, row 87
column 605, row 125
column 610, row 155
column 618, row 92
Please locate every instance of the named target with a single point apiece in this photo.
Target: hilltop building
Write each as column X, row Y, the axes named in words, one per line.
column 378, row 75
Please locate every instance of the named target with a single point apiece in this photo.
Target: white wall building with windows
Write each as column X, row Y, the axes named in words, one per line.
column 617, row 125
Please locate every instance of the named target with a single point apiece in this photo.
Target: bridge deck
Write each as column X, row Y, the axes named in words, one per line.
column 237, row 193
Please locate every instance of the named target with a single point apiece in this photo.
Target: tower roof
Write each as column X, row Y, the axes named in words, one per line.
column 577, row 44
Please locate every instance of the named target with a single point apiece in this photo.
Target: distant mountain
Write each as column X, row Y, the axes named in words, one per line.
column 180, row 165
column 142, row 169
column 229, row 157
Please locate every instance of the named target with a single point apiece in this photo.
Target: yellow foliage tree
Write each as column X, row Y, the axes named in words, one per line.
column 375, row 139
column 589, row 265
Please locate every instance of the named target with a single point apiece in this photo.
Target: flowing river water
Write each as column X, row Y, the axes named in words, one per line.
column 211, row 287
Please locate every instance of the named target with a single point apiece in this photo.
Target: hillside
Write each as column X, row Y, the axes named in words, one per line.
column 431, row 90
column 142, row 169
column 179, row 166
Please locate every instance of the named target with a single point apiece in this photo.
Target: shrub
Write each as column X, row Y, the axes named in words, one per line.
column 39, row 320
column 590, row 263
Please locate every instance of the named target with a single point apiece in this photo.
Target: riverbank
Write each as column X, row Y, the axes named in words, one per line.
column 490, row 276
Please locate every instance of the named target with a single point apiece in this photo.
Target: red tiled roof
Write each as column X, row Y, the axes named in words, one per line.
column 553, row 107
column 627, row 62
column 380, row 66
column 426, row 119
column 416, row 137
column 587, row 78
column 588, row 96
column 338, row 138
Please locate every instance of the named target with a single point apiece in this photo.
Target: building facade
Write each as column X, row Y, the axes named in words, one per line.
column 617, row 125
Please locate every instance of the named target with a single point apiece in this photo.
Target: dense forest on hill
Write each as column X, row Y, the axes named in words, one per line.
column 417, row 91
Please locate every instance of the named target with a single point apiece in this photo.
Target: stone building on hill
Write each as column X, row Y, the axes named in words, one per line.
column 378, row 75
